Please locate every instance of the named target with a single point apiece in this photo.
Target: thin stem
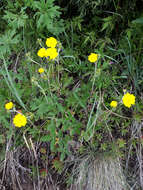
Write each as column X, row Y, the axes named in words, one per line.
column 94, row 76
column 43, row 92
column 34, row 61
column 91, row 112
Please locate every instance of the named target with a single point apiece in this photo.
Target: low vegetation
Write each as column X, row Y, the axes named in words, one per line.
column 71, row 95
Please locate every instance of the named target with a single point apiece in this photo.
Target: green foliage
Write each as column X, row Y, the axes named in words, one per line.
column 61, row 109
column 25, row 21
column 7, row 41
column 16, row 21
column 46, row 16
column 70, row 101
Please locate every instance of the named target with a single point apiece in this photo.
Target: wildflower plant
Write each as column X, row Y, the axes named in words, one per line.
column 51, row 52
column 127, row 100
column 66, row 109
column 58, row 107
column 19, row 120
column 69, row 83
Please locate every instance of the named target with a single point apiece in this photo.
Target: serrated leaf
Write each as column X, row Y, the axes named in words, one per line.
column 79, row 100
column 15, row 20
column 7, row 40
column 45, row 138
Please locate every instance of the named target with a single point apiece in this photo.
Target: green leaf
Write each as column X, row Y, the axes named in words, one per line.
column 7, row 40
column 121, row 143
column 41, row 107
column 45, row 138
column 138, row 21
column 79, row 100
column 11, row 84
column 2, row 139
column 46, row 16
column 105, row 25
column 16, row 20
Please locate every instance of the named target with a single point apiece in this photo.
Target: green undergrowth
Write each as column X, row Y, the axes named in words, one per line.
column 68, row 105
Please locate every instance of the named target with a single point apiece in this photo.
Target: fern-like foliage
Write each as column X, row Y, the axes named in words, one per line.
column 47, row 15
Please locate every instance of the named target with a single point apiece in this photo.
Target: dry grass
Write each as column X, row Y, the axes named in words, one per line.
column 110, row 173
column 92, row 171
column 134, row 161
column 100, row 174
column 16, row 171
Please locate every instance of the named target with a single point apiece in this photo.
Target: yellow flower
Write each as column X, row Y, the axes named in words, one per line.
column 124, row 90
column 93, row 57
column 57, row 141
column 51, row 42
column 41, row 52
column 128, row 99
column 51, row 53
column 9, row 106
column 41, row 70
column 19, row 120
column 113, row 104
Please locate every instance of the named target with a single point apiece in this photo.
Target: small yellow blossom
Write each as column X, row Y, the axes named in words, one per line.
column 93, row 57
column 57, row 141
column 128, row 99
column 41, row 52
column 124, row 90
column 9, row 106
column 51, row 53
column 40, row 70
column 114, row 104
column 51, row 42
column 19, row 120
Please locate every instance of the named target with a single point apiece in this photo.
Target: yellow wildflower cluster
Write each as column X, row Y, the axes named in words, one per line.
column 93, row 57
column 51, row 51
column 128, row 100
column 19, row 120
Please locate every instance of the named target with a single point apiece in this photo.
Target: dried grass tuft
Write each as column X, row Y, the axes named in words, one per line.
column 100, row 174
